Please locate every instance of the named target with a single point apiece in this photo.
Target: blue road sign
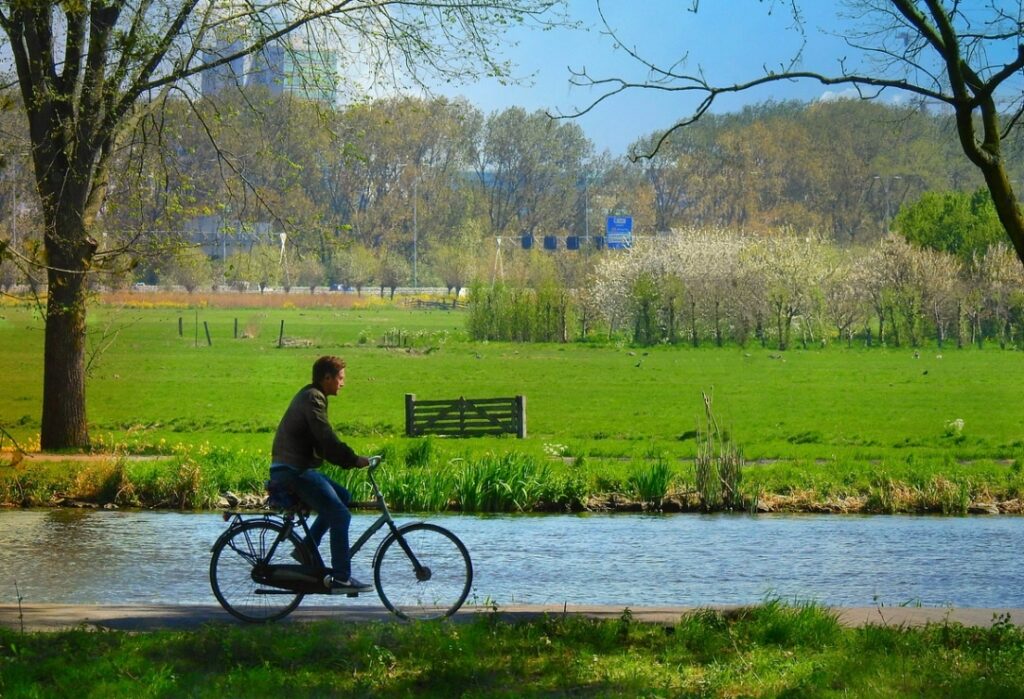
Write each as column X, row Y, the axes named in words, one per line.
column 620, row 232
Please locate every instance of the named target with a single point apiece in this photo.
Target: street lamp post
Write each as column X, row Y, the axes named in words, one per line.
column 415, row 231
column 586, row 211
column 415, row 224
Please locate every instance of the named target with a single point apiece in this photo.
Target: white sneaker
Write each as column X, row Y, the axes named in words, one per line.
column 350, row 584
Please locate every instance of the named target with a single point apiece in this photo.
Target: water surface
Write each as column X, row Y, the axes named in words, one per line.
column 87, row 556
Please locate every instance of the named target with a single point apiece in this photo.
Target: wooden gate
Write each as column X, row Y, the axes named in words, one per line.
column 465, row 417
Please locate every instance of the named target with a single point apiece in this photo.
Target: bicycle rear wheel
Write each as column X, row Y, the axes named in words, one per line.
column 441, row 584
column 234, row 562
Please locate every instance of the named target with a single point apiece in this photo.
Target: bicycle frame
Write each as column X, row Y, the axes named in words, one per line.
column 291, row 518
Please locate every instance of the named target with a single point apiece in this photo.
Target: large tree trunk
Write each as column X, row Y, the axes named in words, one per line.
column 64, row 424
column 1006, row 205
column 987, row 156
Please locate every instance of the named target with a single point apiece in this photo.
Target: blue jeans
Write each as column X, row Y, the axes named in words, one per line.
column 330, row 502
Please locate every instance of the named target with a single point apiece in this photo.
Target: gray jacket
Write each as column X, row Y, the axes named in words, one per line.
column 305, row 438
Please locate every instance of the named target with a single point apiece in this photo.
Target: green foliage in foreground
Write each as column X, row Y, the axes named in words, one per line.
column 768, row 651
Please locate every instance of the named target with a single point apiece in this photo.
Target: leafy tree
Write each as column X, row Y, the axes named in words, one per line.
column 265, row 266
column 1003, row 281
column 960, row 223
column 400, row 175
column 455, row 263
column 354, row 266
column 8, row 274
column 942, row 291
column 260, row 265
column 190, row 267
column 392, row 271
column 646, row 301
column 896, row 285
column 843, row 298
column 309, row 272
column 793, row 269
column 527, row 166
column 235, row 270
column 94, row 74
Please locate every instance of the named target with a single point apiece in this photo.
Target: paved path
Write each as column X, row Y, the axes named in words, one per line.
column 53, row 617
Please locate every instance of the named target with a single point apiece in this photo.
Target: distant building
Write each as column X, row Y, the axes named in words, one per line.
column 268, row 69
column 297, row 68
column 220, row 238
column 324, row 63
column 226, row 75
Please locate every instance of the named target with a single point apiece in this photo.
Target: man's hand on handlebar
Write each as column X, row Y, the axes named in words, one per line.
column 368, row 461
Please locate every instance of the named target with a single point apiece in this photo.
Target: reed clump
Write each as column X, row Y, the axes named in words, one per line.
column 509, row 482
column 718, row 466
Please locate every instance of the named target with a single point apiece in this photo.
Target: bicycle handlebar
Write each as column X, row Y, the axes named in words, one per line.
column 375, row 462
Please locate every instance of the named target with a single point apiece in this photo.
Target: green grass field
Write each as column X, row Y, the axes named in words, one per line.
column 768, row 651
column 849, row 410
column 834, row 403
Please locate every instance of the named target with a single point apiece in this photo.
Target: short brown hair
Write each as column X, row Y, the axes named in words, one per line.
column 326, row 366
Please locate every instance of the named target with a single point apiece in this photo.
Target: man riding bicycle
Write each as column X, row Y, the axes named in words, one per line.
column 304, row 440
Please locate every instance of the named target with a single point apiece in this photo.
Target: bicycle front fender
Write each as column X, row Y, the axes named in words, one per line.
column 407, row 525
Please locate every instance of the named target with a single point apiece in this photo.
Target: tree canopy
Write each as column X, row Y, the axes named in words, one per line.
column 961, row 223
column 967, row 57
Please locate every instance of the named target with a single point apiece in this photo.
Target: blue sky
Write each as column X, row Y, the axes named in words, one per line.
column 729, row 39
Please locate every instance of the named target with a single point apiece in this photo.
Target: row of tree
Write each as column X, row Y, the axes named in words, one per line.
column 421, row 178
column 713, row 287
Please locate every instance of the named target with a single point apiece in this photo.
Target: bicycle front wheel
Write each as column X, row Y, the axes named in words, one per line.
column 434, row 589
column 235, row 559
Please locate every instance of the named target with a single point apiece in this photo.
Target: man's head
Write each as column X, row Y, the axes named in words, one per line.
column 329, row 374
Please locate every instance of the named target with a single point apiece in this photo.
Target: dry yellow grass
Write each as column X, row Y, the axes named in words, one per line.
column 230, row 299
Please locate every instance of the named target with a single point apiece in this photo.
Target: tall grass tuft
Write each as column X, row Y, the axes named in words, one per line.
column 421, row 453
column 652, row 483
column 507, row 483
column 802, row 624
column 718, row 467
column 510, row 482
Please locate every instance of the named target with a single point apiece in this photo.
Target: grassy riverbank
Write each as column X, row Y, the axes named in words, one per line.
column 420, row 476
column 767, row 651
column 835, row 429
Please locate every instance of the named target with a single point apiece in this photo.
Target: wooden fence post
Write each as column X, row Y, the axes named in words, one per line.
column 181, row 329
column 280, row 336
column 521, row 410
column 236, row 328
column 206, row 327
column 410, row 403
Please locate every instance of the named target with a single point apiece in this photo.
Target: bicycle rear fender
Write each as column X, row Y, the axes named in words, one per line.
column 235, row 524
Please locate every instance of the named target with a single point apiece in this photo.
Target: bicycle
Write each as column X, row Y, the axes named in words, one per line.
column 420, row 570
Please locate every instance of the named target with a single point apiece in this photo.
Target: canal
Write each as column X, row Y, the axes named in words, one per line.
column 125, row 557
